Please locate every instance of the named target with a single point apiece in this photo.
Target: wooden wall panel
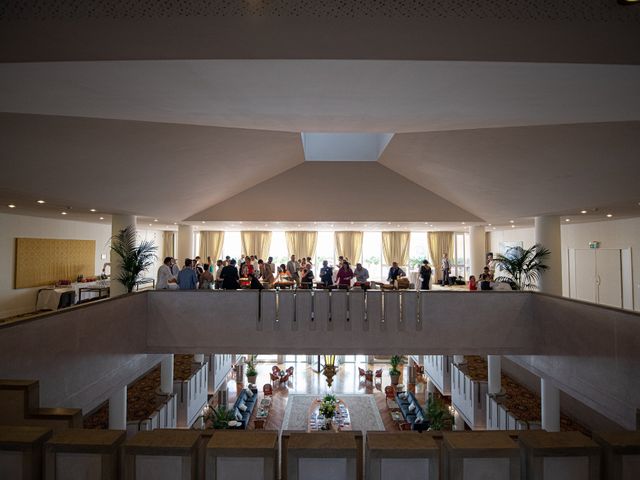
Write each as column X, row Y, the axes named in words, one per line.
column 44, row 261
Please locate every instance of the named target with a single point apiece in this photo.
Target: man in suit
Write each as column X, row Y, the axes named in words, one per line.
column 230, row 276
column 446, row 269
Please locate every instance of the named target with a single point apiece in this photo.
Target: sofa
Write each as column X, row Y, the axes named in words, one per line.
column 249, row 399
column 413, row 415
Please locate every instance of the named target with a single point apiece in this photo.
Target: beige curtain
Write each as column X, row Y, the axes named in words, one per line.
column 256, row 243
column 439, row 243
column 395, row 247
column 302, row 244
column 168, row 244
column 211, row 245
column 349, row 245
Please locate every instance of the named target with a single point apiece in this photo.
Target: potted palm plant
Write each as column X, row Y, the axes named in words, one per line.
column 437, row 413
column 394, row 372
column 134, row 258
column 522, row 268
column 252, row 372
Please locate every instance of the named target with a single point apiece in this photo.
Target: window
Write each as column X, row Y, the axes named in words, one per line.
column 278, row 249
column 325, row 250
column 417, row 250
column 232, row 245
column 460, row 260
column 372, row 255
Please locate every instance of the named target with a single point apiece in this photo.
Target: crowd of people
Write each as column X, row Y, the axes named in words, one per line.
column 255, row 273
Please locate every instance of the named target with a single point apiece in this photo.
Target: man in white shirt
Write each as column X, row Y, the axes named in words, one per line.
column 274, row 270
column 219, row 266
column 292, row 268
column 165, row 276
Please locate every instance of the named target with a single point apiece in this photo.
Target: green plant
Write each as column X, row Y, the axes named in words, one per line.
column 437, row 413
column 395, row 361
column 220, row 417
column 251, row 366
column 328, row 406
column 134, row 259
column 522, row 267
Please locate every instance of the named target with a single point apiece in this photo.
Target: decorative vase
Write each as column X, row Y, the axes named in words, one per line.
column 329, row 372
column 395, row 379
column 251, row 378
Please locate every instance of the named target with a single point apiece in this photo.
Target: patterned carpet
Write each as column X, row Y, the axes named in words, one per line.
column 363, row 410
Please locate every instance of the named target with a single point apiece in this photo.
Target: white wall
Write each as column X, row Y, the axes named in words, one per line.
column 624, row 233
column 14, row 302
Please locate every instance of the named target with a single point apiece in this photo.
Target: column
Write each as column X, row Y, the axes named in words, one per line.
column 198, row 358
column 550, row 400
column 166, row 374
column 494, row 363
column 185, row 243
column 118, row 222
column 458, row 422
column 458, row 359
column 547, row 233
column 118, row 410
column 477, row 255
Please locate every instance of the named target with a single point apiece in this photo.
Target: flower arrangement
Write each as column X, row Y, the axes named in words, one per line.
column 328, row 407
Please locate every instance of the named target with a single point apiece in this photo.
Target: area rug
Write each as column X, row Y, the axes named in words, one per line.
column 364, row 412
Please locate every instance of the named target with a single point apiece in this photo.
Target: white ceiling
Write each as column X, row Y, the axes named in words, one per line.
column 179, row 140
column 326, row 95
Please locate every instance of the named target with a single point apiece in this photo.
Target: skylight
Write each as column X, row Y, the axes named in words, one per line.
column 347, row 147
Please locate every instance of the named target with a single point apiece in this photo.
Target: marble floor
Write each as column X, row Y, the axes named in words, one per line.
column 306, row 380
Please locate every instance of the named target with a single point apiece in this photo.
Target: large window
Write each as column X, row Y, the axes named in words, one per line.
column 460, row 260
column 372, row 255
column 232, row 245
column 324, row 251
column 278, row 249
column 418, row 251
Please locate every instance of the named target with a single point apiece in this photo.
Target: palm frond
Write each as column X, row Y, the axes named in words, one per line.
column 522, row 267
column 134, row 258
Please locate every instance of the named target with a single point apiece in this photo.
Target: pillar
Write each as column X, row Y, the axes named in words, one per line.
column 494, row 363
column 118, row 222
column 185, row 243
column 166, row 374
column 458, row 422
column 547, row 233
column 458, row 359
column 550, row 400
column 198, row 358
column 118, row 410
column 477, row 255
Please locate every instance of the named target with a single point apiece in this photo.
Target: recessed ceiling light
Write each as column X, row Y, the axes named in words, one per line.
column 365, row 226
column 41, row 202
column 351, row 223
column 151, row 224
column 332, row 225
column 155, row 219
column 494, row 228
column 583, row 211
column 609, row 215
column 388, row 223
column 204, row 221
column 511, row 221
column 567, row 219
column 240, row 223
column 92, row 210
column 101, row 218
column 463, row 223
column 266, row 225
column 513, row 226
column 63, row 213
column 397, row 226
column 298, row 225
column 426, row 223
column 431, row 225
column 11, row 205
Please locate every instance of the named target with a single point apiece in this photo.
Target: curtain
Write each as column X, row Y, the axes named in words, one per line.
column 439, row 243
column 395, row 247
column 349, row 245
column 168, row 244
column 302, row 244
column 211, row 245
column 256, row 243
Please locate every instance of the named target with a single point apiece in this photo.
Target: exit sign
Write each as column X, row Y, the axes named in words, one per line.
column 594, row 244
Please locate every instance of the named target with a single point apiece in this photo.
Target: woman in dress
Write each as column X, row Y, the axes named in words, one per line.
column 345, row 274
column 425, row 275
column 205, row 279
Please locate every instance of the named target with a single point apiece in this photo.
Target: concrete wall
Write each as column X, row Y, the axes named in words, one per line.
column 15, row 302
column 624, row 233
column 80, row 355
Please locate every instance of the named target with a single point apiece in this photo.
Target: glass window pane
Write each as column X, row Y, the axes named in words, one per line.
column 417, row 250
column 372, row 254
column 232, row 245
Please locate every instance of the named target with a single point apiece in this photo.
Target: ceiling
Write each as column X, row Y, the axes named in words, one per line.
column 219, row 140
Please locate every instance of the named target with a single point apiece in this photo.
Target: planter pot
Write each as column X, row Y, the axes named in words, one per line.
column 251, row 378
column 395, row 379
